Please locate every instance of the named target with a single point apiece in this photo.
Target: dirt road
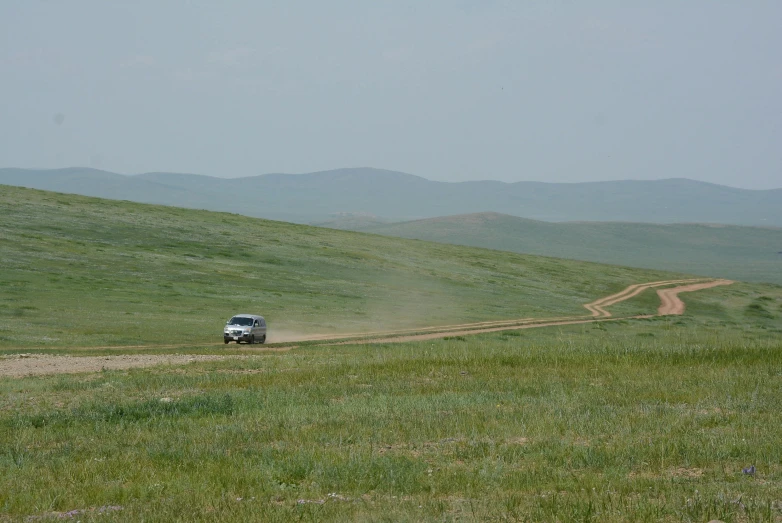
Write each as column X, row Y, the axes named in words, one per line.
column 39, row 364
column 669, row 298
column 671, row 305
column 596, row 307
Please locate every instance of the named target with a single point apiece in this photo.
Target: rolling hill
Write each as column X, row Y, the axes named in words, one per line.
column 394, row 196
column 743, row 253
column 82, row 271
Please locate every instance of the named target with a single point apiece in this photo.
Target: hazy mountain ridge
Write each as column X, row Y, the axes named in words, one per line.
column 390, row 195
column 730, row 251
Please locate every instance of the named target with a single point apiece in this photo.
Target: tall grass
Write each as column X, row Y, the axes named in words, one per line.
column 560, row 424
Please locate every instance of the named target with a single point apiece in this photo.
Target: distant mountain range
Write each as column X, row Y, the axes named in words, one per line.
column 395, row 196
column 727, row 251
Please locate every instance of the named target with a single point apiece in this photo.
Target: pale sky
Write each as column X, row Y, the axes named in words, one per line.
column 448, row 90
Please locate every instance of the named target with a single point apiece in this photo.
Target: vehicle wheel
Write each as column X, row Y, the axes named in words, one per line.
column 226, row 342
column 263, row 338
column 252, row 340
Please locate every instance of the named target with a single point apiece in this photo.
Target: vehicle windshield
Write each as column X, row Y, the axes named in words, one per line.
column 236, row 320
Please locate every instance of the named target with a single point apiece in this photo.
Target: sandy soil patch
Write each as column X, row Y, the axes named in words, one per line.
column 20, row 365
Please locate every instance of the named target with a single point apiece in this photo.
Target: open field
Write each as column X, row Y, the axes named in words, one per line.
column 645, row 420
column 623, row 420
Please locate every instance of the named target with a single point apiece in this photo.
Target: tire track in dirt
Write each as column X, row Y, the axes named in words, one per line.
column 596, row 308
column 39, row 364
column 670, row 303
column 438, row 335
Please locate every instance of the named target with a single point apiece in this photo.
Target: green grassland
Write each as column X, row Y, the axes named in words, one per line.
column 645, row 421
column 721, row 251
column 630, row 420
column 79, row 271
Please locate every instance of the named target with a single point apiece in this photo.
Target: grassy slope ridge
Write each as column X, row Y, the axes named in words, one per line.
column 393, row 195
column 742, row 253
column 84, row 271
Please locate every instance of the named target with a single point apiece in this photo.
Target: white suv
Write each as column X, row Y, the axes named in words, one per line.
column 245, row 327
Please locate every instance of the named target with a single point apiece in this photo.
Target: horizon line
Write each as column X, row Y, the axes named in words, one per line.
column 618, row 180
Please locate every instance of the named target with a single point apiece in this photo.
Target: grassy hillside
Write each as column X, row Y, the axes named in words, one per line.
column 742, row 253
column 314, row 197
column 351, row 221
column 78, row 271
column 641, row 420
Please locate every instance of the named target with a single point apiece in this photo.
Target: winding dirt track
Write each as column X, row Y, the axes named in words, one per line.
column 669, row 299
column 596, row 307
column 39, row 364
